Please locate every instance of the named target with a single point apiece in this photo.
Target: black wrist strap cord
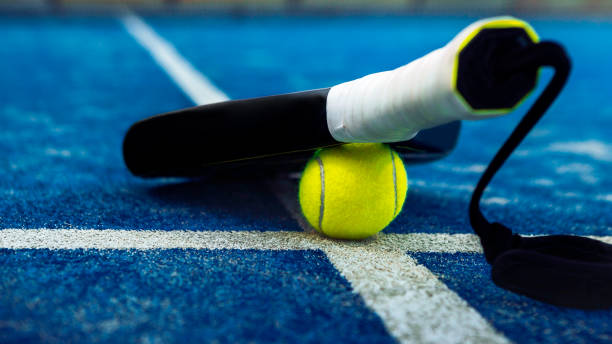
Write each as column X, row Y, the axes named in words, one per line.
column 563, row 270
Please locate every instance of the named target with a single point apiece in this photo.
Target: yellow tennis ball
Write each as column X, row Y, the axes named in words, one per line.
column 354, row 190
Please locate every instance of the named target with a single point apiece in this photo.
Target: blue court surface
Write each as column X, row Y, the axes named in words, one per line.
column 90, row 253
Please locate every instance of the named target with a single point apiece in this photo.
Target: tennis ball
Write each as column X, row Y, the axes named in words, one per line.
column 353, row 191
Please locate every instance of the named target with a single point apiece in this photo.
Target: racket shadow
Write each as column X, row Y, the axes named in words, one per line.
column 223, row 202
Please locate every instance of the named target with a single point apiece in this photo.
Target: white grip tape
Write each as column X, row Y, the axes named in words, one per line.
column 394, row 105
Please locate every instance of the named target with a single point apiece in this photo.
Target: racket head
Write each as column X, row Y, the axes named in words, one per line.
column 429, row 145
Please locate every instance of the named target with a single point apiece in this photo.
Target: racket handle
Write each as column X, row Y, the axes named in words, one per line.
column 456, row 82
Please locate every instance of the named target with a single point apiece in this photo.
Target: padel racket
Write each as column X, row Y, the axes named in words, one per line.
column 415, row 108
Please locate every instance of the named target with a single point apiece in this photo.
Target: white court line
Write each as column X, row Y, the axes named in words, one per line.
column 122, row 239
column 414, row 305
column 242, row 240
column 195, row 85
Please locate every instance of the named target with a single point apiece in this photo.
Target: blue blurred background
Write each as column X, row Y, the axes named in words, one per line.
column 545, row 7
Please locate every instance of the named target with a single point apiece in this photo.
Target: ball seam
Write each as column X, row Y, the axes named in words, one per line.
column 322, row 207
column 394, row 181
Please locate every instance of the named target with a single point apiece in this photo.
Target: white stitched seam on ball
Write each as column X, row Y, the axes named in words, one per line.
column 394, row 181
column 322, row 207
